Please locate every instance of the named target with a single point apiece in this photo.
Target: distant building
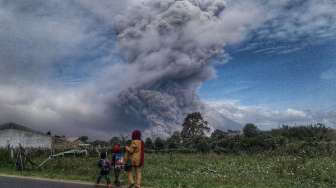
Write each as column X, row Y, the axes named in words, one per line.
column 69, row 143
column 75, row 142
column 14, row 135
column 59, row 142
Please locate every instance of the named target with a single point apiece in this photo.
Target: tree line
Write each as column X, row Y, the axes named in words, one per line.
column 304, row 139
column 195, row 136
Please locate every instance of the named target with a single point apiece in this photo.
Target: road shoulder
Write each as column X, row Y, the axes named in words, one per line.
column 47, row 179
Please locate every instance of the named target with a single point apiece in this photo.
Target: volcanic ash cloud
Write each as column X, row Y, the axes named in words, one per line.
column 169, row 45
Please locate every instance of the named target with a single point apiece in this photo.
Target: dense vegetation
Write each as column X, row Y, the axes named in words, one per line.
column 298, row 140
column 194, row 138
column 300, row 156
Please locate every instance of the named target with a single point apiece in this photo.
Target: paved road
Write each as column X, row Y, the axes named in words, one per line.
column 21, row 182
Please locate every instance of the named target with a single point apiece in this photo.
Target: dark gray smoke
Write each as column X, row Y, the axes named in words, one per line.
column 170, row 44
column 60, row 70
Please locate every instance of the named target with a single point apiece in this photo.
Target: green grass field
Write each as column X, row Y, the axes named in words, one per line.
column 205, row 170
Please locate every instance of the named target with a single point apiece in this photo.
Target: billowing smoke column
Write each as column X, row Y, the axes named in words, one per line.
column 169, row 45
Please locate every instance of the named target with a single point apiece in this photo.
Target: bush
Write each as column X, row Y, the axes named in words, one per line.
column 4, row 157
column 317, row 132
column 174, row 141
column 202, row 145
column 149, row 144
column 250, row 130
column 159, row 144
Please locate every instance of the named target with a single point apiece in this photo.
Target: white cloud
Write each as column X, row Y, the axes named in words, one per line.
column 293, row 25
column 56, row 109
column 267, row 118
column 37, row 35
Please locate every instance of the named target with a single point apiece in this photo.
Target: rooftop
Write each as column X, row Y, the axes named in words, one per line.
column 16, row 126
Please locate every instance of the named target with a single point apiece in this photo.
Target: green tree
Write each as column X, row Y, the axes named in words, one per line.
column 218, row 135
column 194, row 127
column 202, row 145
column 115, row 140
column 250, row 130
column 159, row 143
column 174, row 141
column 84, row 139
column 149, row 143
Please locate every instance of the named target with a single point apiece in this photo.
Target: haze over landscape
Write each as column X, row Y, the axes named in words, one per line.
column 102, row 68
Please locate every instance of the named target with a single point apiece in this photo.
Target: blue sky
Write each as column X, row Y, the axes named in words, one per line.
column 277, row 79
column 265, row 75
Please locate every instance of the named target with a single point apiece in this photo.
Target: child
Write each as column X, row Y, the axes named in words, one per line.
column 117, row 163
column 135, row 159
column 105, row 168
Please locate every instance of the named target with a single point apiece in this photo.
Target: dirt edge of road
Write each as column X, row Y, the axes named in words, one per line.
column 76, row 182
column 47, row 179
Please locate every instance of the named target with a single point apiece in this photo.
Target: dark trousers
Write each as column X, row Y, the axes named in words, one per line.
column 116, row 176
column 105, row 175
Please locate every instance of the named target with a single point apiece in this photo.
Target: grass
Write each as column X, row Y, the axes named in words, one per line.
column 205, row 170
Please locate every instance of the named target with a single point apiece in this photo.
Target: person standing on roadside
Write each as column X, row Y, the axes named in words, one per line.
column 135, row 156
column 105, row 167
column 117, row 163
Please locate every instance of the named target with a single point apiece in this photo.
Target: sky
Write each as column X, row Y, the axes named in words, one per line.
column 267, row 82
column 103, row 68
column 302, row 79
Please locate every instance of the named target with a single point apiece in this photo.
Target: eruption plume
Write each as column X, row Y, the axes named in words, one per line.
column 169, row 46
